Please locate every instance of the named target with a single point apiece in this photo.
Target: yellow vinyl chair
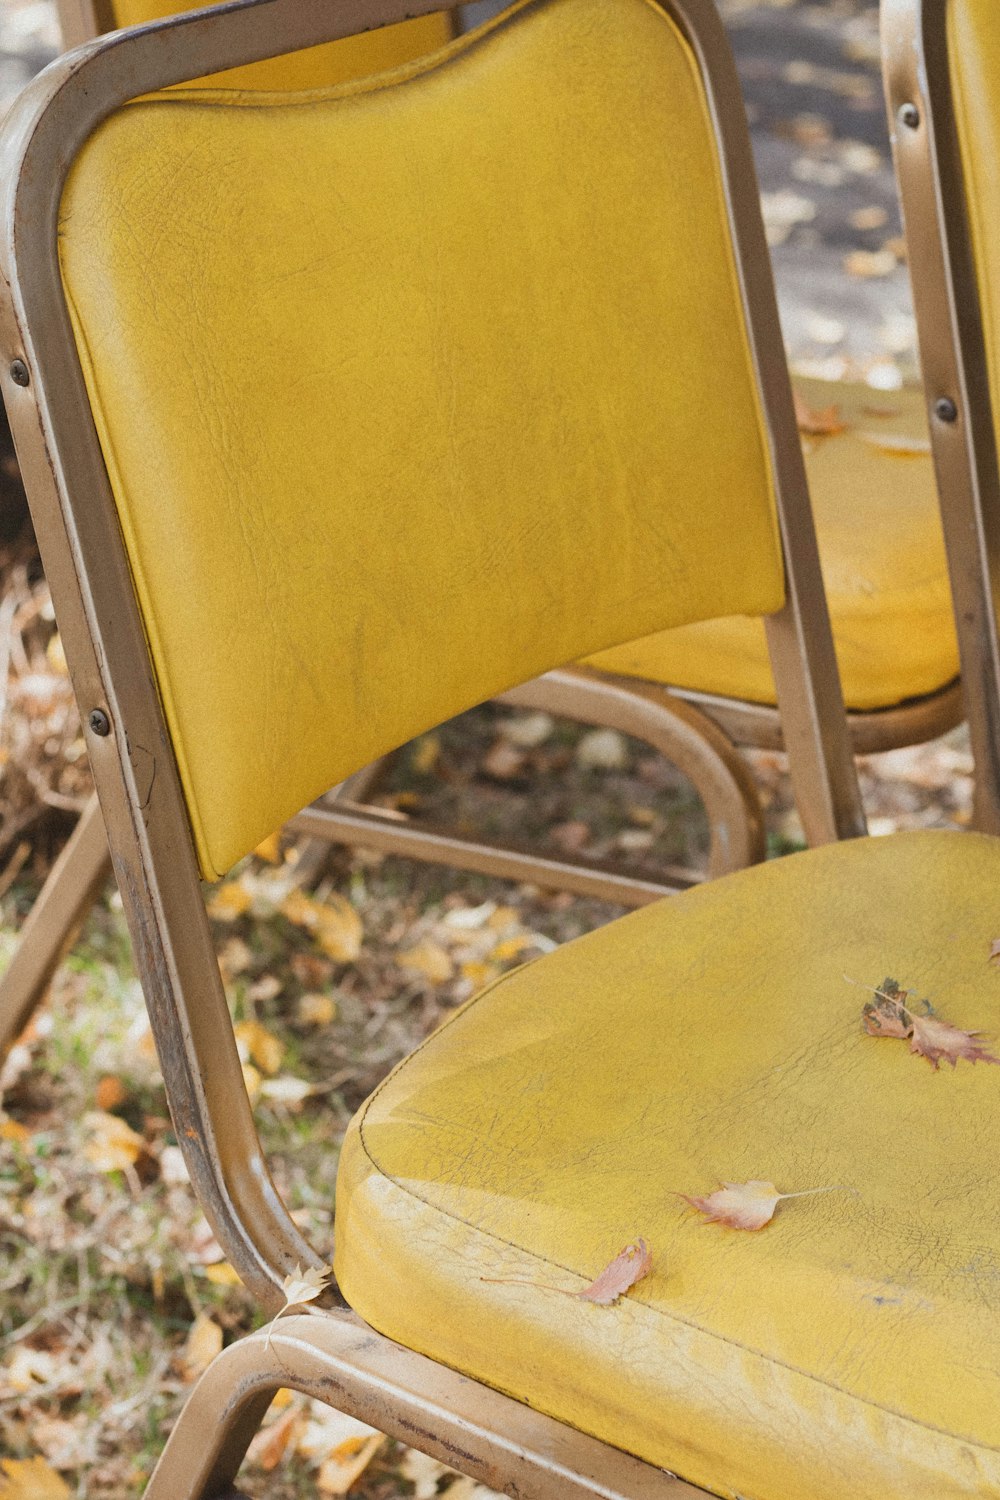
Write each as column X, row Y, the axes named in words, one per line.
column 681, row 733
column 942, row 79
column 492, row 273
column 886, row 579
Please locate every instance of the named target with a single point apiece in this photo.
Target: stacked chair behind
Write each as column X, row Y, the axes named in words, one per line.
column 405, row 351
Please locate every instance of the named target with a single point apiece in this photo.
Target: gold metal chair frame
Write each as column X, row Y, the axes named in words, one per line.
column 953, row 356
column 331, row 1355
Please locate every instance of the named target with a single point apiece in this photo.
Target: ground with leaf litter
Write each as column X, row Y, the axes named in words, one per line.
column 113, row 1292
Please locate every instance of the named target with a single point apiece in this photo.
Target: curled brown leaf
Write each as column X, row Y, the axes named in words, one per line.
column 888, row 1015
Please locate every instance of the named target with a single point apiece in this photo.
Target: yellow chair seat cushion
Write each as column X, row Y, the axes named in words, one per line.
column 850, row 1350
column 883, row 563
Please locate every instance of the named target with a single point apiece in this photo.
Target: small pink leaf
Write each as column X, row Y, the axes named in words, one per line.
column 629, row 1266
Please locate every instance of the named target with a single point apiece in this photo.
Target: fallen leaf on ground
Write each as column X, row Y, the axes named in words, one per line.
column 888, row 1015
column 112, row 1145
column 29, row 1368
column 259, row 1045
column 423, row 1472
column 503, row 761
column 602, row 750
column 109, row 1093
column 817, row 423
column 629, row 1266
column 747, row 1205
column 223, row 1274
column 869, row 264
column 173, row 1167
column 528, row 731
column 464, row 1488
column 572, row 836
column 268, row 1447
column 203, row 1343
column 230, row 901
column 334, row 923
column 313, row 1009
column 287, row 1090
column 871, row 217
column 427, row 958
column 31, row 1479
column 426, row 754
column 343, row 1447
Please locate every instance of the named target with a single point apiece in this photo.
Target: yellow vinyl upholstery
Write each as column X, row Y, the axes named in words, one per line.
column 850, row 1350
column 313, row 67
column 974, row 62
column 879, row 528
column 402, row 389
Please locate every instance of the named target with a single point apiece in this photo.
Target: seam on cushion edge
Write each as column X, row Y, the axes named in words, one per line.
column 765, row 1359
column 350, row 88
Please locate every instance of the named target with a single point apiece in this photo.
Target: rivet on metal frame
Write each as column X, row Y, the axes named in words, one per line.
column 19, row 372
column 99, row 722
column 945, row 409
column 909, row 115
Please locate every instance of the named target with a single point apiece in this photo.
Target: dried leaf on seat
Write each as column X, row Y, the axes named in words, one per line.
column 825, row 423
column 995, row 951
column 747, row 1205
column 619, row 1276
column 940, row 1041
column 30, row 1479
column 888, row 1015
column 629, row 1266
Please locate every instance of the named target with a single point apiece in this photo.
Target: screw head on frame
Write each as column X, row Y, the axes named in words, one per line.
column 909, row 115
column 99, row 722
column 19, row 372
column 945, row 409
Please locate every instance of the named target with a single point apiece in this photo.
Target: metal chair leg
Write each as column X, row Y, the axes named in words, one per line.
column 52, row 924
column 340, row 1360
column 684, row 735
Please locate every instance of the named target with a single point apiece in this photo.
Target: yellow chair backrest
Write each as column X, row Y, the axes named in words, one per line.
column 413, row 388
column 313, row 67
column 974, row 58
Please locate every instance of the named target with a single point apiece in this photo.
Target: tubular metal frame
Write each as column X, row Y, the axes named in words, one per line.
column 154, row 861
column 953, row 357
